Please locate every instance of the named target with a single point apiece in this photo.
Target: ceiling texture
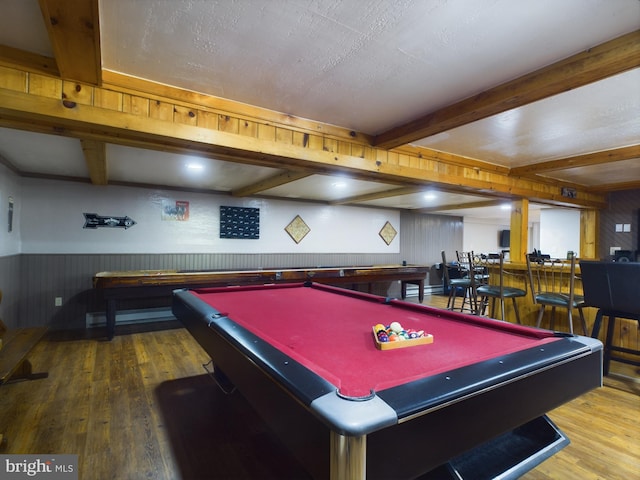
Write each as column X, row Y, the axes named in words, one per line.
column 545, row 91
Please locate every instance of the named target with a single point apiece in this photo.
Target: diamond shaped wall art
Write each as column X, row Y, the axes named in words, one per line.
column 388, row 233
column 297, row 229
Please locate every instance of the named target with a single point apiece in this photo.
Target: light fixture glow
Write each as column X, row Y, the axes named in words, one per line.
column 430, row 196
column 505, row 206
column 195, row 167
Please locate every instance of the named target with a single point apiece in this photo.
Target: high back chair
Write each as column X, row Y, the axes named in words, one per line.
column 477, row 274
column 459, row 280
column 496, row 289
column 552, row 285
column 475, row 263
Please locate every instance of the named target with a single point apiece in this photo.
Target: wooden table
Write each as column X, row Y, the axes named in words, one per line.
column 116, row 286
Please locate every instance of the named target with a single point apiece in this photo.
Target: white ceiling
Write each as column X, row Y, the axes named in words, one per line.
column 363, row 65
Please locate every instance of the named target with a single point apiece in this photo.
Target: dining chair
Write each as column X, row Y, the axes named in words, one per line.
column 497, row 290
column 458, row 280
column 552, row 284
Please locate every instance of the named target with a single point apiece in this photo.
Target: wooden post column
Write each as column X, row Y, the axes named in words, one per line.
column 519, row 230
column 589, row 229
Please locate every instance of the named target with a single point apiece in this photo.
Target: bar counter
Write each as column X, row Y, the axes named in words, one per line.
column 518, row 277
column 626, row 333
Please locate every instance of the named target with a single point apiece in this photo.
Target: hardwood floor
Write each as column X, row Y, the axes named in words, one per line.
column 142, row 406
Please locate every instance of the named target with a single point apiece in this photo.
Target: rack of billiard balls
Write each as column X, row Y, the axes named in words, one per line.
column 394, row 335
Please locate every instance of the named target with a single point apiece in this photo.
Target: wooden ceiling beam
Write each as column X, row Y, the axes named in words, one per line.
column 396, row 192
column 271, row 182
column 134, row 85
column 460, row 206
column 599, row 62
column 585, row 160
column 95, row 155
column 31, row 62
column 614, row 187
column 74, row 32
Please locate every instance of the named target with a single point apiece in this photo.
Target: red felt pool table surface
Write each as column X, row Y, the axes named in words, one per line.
column 331, row 334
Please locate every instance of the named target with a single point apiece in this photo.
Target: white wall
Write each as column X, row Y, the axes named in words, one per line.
column 52, row 222
column 482, row 236
column 9, row 189
column 559, row 232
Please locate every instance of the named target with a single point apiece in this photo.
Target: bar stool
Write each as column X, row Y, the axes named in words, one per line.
column 553, row 285
column 613, row 288
column 498, row 291
column 461, row 280
column 609, row 348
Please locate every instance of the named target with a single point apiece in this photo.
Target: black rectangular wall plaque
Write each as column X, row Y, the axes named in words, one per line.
column 239, row 222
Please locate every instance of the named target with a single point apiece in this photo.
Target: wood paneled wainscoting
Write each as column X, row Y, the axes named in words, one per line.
column 141, row 406
column 38, row 279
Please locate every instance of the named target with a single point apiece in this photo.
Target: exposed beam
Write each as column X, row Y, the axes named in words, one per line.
column 460, row 206
column 396, row 192
column 585, row 160
column 272, row 182
column 74, row 31
column 134, row 85
column 32, row 62
column 602, row 61
column 451, row 158
column 139, row 129
column 615, row 187
column 95, row 154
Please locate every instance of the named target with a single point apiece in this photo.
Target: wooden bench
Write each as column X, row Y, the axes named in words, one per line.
column 15, row 346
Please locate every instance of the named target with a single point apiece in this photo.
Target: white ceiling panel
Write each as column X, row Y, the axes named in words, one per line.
column 573, row 123
column 426, row 199
column 327, row 188
column 162, row 168
column 366, row 66
column 38, row 153
column 22, row 26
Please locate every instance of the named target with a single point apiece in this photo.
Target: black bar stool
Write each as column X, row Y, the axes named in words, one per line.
column 613, row 288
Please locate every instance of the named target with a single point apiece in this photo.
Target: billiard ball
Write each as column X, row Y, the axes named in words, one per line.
column 396, row 327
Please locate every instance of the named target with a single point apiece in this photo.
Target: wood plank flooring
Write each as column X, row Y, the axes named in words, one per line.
column 142, row 406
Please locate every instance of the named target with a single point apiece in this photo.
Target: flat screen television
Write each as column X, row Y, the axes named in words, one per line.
column 505, row 238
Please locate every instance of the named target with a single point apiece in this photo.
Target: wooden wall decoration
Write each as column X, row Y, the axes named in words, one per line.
column 297, row 229
column 388, row 233
column 239, row 222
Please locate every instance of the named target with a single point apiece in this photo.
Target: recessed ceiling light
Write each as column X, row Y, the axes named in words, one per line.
column 339, row 184
column 430, row 196
column 505, row 206
column 196, row 167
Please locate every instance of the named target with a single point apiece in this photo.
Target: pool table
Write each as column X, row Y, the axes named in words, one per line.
column 305, row 357
column 113, row 287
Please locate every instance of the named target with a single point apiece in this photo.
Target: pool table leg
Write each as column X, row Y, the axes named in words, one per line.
column 348, row 457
